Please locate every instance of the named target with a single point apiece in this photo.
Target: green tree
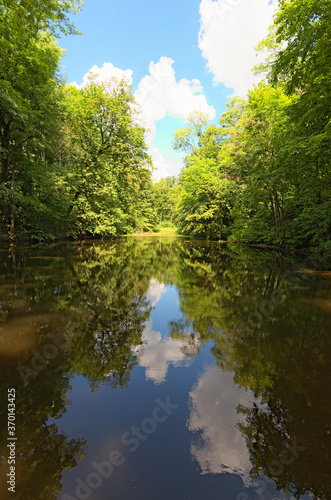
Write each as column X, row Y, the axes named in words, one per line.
column 166, row 192
column 205, row 201
column 207, row 193
column 301, row 60
column 29, row 104
column 107, row 166
column 256, row 156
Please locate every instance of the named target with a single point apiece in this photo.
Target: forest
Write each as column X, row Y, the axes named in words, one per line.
column 74, row 163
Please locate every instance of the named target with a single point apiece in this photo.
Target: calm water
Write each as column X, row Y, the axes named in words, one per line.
column 166, row 369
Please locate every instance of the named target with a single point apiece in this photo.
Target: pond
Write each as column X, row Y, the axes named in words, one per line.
column 164, row 368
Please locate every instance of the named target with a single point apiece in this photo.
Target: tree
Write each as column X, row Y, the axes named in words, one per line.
column 187, row 138
column 166, row 192
column 28, row 95
column 255, row 156
column 301, row 59
column 207, row 193
column 205, row 201
column 107, row 161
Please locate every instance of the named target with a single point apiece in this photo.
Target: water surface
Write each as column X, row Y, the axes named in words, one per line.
column 165, row 368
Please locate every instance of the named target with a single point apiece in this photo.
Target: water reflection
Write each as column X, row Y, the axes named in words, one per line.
column 156, row 354
column 103, row 312
column 219, row 446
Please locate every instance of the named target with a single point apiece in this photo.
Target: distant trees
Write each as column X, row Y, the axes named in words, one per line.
column 207, row 195
column 166, row 192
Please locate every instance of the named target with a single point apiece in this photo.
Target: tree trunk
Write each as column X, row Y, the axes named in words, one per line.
column 5, row 142
column 277, row 210
column 12, row 216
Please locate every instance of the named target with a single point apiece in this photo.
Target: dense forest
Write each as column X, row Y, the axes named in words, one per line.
column 75, row 162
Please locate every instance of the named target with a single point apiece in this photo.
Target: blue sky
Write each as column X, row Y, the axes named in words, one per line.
column 178, row 55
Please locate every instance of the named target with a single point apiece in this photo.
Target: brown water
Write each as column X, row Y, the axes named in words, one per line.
column 160, row 368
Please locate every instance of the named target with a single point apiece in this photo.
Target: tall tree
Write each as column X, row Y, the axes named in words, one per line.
column 29, row 66
column 107, row 161
column 256, row 156
column 301, row 59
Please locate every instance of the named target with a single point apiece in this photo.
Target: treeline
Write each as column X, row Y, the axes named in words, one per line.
column 73, row 162
column 263, row 173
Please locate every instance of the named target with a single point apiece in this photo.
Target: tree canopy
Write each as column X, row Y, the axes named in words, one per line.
column 74, row 161
column 263, row 174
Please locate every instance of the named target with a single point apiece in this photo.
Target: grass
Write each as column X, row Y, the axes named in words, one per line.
column 160, row 231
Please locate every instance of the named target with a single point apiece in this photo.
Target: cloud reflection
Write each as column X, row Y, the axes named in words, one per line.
column 155, row 291
column 221, row 447
column 157, row 353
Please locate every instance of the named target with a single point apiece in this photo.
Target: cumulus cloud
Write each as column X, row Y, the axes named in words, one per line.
column 214, row 400
column 159, row 94
column 155, row 291
column 164, row 166
column 157, row 353
column 230, row 30
column 104, row 74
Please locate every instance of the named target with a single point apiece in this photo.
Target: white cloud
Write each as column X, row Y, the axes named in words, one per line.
column 159, row 94
column 155, row 291
column 156, row 354
column 104, row 74
column 214, row 400
column 164, row 167
column 230, row 31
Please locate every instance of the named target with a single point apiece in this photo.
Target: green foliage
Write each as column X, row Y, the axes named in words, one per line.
column 301, row 61
column 107, row 177
column 72, row 161
column 274, row 148
column 206, row 193
column 166, row 193
column 256, row 152
column 30, row 104
column 206, row 200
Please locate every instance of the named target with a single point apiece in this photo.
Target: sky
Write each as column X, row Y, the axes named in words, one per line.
column 178, row 55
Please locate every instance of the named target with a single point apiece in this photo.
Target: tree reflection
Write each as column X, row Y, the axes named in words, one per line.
column 270, row 326
column 283, row 357
column 83, row 309
column 42, row 451
column 289, row 437
column 270, row 331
